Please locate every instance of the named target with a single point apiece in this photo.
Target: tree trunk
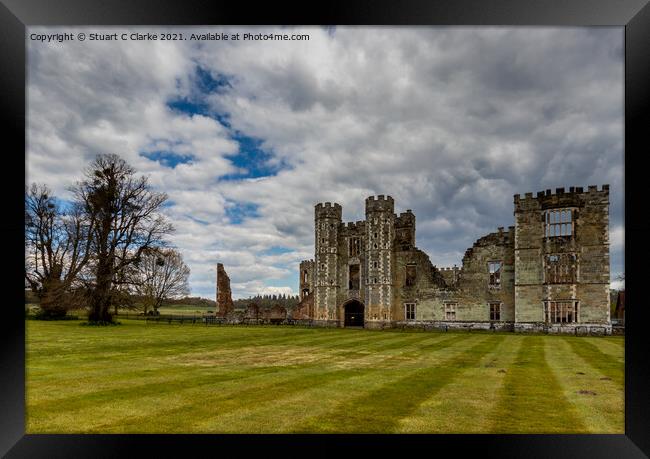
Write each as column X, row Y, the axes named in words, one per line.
column 101, row 298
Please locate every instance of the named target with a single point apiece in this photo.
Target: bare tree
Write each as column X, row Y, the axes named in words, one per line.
column 56, row 248
column 161, row 274
column 126, row 223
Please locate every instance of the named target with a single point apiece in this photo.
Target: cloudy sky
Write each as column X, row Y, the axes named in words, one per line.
column 245, row 136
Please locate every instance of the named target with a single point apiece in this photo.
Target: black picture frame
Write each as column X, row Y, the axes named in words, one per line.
column 634, row 15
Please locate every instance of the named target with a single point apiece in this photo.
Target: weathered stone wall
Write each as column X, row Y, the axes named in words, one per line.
column 327, row 221
column 427, row 280
column 304, row 309
column 450, row 275
column 588, row 241
column 306, row 278
column 380, row 233
column 474, row 277
column 225, row 305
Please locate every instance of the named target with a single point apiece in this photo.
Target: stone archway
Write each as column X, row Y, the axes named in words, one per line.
column 354, row 311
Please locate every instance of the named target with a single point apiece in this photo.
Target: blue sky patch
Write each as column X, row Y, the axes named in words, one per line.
column 275, row 250
column 168, row 158
column 208, row 84
column 237, row 212
column 253, row 158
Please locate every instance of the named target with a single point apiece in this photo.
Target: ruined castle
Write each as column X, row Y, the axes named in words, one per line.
column 549, row 272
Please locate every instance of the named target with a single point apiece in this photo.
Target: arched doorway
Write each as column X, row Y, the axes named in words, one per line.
column 354, row 311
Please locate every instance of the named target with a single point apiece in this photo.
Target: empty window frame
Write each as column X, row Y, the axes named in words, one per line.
column 494, row 268
column 450, row 311
column 560, row 268
column 353, row 283
column 495, row 311
column 561, row 312
column 305, row 277
column 558, row 222
column 354, row 246
column 411, row 275
column 409, row 311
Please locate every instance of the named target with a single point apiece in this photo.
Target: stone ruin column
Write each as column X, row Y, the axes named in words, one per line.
column 224, row 295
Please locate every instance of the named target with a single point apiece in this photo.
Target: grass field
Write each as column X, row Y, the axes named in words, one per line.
column 196, row 379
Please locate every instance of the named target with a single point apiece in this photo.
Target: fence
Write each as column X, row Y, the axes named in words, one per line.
column 207, row 320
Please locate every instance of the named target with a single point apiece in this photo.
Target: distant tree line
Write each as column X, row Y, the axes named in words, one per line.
column 264, row 301
column 192, row 301
column 105, row 245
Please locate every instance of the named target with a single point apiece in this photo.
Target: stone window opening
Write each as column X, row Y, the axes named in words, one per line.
column 375, row 236
column 450, row 311
column 494, row 268
column 353, row 282
column 558, row 222
column 409, row 311
column 323, row 240
column 495, row 311
column 560, row 268
column 304, row 276
column 561, row 312
column 411, row 275
column 375, row 245
column 305, row 292
column 354, row 246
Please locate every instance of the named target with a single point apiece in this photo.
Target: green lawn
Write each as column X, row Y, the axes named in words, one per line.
column 176, row 378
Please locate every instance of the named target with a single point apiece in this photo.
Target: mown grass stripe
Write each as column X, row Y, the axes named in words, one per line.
column 171, row 379
column 259, row 395
column 531, row 400
column 380, row 410
column 468, row 400
column 598, row 401
column 608, row 365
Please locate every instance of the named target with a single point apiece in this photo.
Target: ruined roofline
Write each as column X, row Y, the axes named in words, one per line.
column 498, row 237
column 560, row 191
column 311, row 260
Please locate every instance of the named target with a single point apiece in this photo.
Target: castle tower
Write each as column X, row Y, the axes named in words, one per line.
column 380, row 232
column 562, row 258
column 326, row 278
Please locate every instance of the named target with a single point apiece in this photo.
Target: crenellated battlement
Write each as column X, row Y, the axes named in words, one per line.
column 405, row 219
column 447, row 269
column 380, row 203
column 561, row 191
column 357, row 227
column 380, row 197
column 328, row 210
column 576, row 196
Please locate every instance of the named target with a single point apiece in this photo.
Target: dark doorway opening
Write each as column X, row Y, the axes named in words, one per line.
column 354, row 311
